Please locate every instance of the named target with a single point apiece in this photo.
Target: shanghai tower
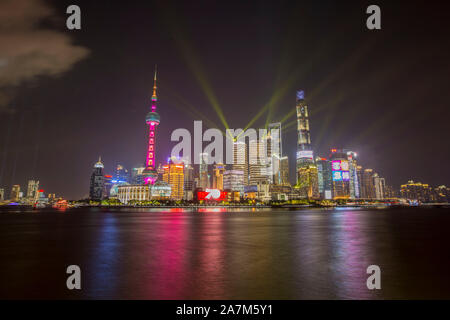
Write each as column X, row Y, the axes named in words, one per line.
column 152, row 119
column 307, row 176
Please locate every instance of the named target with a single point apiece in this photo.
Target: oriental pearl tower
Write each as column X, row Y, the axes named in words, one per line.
column 152, row 119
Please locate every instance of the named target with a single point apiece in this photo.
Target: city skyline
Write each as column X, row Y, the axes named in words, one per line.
column 362, row 95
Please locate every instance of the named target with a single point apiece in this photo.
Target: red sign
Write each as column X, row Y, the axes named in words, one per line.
column 212, row 194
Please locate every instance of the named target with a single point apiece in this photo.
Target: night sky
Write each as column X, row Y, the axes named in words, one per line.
column 68, row 97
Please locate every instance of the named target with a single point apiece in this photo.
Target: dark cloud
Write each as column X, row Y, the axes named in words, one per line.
column 27, row 50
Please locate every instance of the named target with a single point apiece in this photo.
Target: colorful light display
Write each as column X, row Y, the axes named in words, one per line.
column 340, row 170
column 212, row 194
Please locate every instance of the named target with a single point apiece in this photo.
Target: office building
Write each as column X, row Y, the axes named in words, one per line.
column 174, row 176
column 97, row 180
column 15, row 193
column 218, row 172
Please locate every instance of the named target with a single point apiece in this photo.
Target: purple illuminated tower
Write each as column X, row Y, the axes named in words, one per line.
column 152, row 119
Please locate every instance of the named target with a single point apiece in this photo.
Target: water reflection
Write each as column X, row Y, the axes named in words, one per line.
column 224, row 253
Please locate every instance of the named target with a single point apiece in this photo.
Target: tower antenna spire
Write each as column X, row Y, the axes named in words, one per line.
column 154, row 85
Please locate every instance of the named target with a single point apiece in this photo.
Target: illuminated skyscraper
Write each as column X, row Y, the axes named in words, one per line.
column 2, row 194
column 203, row 171
column 233, row 180
column 174, row 176
column 274, row 152
column 307, row 173
column 15, row 193
column 122, row 174
column 97, row 180
column 240, row 159
column 136, row 175
column 284, row 171
column 219, row 169
column 368, row 187
column 304, row 147
column 325, row 179
column 257, row 163
column 32, row 191
column 379, row 186
column 353, row 171
column 188, row 181
column 340, row 172
column 152, row 119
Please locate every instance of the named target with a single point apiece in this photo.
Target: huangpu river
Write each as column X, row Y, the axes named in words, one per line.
column 225, row 253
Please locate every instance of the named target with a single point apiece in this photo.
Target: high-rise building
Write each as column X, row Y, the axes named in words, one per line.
column 2, row 194
column 32, row 191
column 240, row 159
column 340, row 173
column 152, row 119
column 368, row 187
column 219, row 169
column 122, row 174
column 325, row 181
column 136, row 175
column 96, row 186
column 174, row 176
column 274, row 153
column 203, row 171
column 15, row 193
column 304, row 146
column 284, row 171
column 308, row 186
column 307, row 173
column 108, row 183
column 380, row 186
column 257, row 164
column 416, row 191
column 353, row 171
column 233, row 180
column 188, row 181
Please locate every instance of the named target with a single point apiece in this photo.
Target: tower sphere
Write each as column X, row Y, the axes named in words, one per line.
column 152, row 117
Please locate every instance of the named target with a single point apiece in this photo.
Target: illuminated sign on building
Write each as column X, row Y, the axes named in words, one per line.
column 305, row 154
column 340, row 170
column 300, row 95
column 212, row 194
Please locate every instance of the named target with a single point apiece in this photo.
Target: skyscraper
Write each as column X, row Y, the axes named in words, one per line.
column 257, row 162
column 274, row 152
column 324, row 178
column 188, row 187
column 15, row 193
column 136, row 175
column 284, row 171
column 96, row 186
column 340, row 171
column 354, row 183
column 379, row 186
column 233, row 180
column 307, row 173
column 2, row 194
column 203, row 171
column 152, row 119
column 174, row 176
column 240, row 159
column 32, row 191
column 122, row 174
column 367, row 184
column 304, row 147
column 219, row 169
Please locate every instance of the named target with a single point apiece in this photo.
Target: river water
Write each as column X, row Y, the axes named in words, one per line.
column 225, row 254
